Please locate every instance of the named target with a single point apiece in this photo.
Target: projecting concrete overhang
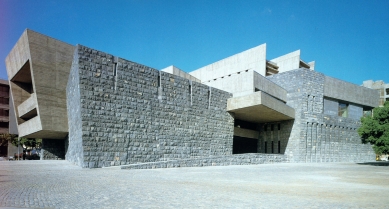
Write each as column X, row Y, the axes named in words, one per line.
column 259, row 107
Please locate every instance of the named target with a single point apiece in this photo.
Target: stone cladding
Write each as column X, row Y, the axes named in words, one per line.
column 121, row 112
column 237, row 159
column 318, row 135
column 53, row 149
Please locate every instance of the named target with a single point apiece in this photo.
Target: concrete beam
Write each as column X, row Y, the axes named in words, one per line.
column 246, row 133
column 259, row 107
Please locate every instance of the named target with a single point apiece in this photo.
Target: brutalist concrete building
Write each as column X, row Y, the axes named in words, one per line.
column 103, row 110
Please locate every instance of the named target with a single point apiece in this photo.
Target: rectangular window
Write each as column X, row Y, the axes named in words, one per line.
column 272, row 146
column 265, row 147
column 343, row 109
column 272, row 127
column 279, row 146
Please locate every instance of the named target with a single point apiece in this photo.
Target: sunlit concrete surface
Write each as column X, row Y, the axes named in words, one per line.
column 59, row 184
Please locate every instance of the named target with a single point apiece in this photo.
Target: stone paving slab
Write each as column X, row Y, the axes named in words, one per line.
column 59, row 184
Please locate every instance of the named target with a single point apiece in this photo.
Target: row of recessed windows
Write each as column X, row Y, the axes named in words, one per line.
column 272, row 147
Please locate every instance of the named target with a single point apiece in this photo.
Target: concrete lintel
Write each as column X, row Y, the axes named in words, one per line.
column 259, row 107
column 242, row 132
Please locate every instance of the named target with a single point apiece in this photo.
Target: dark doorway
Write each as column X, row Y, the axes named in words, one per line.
column 244, row 145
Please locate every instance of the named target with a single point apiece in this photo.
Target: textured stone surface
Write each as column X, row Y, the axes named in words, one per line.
column 238, row 159
column 53, row 149
column 319, row 134
column 131, row 113
column 58, row 184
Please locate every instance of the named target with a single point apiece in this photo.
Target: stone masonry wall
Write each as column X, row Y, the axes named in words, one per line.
column 317, row 136
column 53, row 149
column 131, row 113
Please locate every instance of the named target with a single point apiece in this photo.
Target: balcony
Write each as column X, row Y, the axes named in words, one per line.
column 4, row 106
column 4, row 118
column 28, row 109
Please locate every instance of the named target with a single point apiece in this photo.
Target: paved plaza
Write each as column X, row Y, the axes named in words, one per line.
column 59, row 184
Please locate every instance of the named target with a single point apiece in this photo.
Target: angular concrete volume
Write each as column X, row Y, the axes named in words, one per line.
column 38, row 69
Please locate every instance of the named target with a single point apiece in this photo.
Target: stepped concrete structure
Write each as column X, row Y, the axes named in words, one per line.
column 103, row 110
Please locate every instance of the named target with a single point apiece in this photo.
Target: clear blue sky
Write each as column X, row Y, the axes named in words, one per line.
column 348, row 40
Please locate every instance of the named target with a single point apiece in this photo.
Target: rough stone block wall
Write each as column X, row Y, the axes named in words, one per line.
column 131, row 113
column 74, row 151
column 53, row 149
column 317, row 134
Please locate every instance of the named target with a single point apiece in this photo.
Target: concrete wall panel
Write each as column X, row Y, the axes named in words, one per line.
column 345, row 91
column 252, row 59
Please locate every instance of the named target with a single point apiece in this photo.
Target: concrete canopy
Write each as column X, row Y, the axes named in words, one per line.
column 259, row 107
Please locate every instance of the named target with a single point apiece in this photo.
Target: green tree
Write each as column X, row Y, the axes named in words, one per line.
column 6, row 137
column 375, row 129
column 13, row 138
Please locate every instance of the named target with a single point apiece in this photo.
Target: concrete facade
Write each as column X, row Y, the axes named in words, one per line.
column 38, row 67
column 381, row 87
column 7, row 119
column 119, row 112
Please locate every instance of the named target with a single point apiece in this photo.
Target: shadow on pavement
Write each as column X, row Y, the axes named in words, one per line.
column 379, row 163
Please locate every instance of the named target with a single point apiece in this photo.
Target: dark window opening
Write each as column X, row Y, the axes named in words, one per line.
column 272, row 146
column 3, row 124
column 159, row 81
column 244, row 145
column 245, row 124
column 272, row 127
column 265, row 128
column 279, row 146
column 279, row 126
column 23, row 78
column 265, row 147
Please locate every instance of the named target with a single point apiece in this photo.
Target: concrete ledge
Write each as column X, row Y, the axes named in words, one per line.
column 247, row 133
column 259, row 107
column 27, row 106
column 241, row 159
column 29, row 127
column 265, row 85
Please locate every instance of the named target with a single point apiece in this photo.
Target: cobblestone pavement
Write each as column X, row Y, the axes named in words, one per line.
column 59, row 184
